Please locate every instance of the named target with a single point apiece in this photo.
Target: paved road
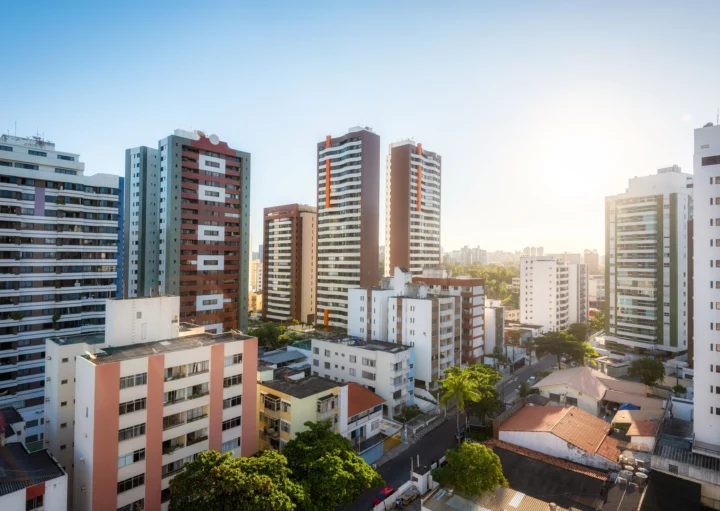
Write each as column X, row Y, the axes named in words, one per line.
column 396, row 471
column 433, row 445
column 507, row 387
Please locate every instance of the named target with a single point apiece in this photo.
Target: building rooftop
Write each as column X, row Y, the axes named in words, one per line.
column 361, row 399
column 281, row 356
column 20, row 468
column 9, row 416
column 550, row 479
column 390, row 347
column 502, row 499
column 629, row 416
column 90, row 338
column 643, row 428
column 571, row 424
column 302, row 388
column 675, row 443
column 113, row 354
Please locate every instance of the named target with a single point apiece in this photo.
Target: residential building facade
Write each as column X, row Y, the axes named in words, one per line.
column 348, row 220
column 706, row 269
column 187, row 206
column 553, row 293
column 290, row 234
column 290, row 399
column 61, row 246
column 145, row 407
column 412, row 207
column 387, row 369
column 647, row 263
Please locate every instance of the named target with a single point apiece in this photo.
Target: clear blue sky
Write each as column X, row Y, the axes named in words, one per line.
column 539, row 109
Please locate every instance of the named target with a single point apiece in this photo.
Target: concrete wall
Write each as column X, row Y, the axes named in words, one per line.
column 142, row 320
column 585, row 402
column 552, row 445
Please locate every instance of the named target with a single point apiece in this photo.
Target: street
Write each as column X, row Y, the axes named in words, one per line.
column 433, row 445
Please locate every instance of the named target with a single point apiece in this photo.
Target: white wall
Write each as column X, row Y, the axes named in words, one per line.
column 55, row 498
column 141, row 320
column 585, row 402
column 549, row 444
column 13, row 501
column 84, row 435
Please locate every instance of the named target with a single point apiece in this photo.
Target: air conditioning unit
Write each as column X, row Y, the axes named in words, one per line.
column 48, row 357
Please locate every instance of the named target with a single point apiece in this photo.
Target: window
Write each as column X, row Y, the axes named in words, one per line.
column 64, row 361
column 6, row 148
column 198, row 367
column 63, row 382
column 232, row 401
column 37, row 153
column 213, row 164
column 285, row 426
column 353, row 372
column 210, row 193
column 133, row 381
column 555, row 397
column 133, row 406
column 353, row 358
column 316, row 351
column 129, row 484
column 210, row 302
column 131, row 432
column 368, row 376
column 34, row 503
column 64, row 403
column 211, row 262
column 368, row 362
column 232, row 380
column 233, row 359
column 130, row 458
column 316, row 362
column 66, row 158
column 327, row 365
column 138, row 505
column 710, row 160
column 286, row 406
column 571, row 401
column 63, row 425
column 230, row 445
column 327, row 353
column 231, row 423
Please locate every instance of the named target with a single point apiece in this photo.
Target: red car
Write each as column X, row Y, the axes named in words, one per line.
column 384, row 493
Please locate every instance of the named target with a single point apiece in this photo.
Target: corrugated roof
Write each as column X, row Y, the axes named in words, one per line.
column 361, row 399
column 20, row 468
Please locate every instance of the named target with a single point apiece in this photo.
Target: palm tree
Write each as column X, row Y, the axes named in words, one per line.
column 461, row 387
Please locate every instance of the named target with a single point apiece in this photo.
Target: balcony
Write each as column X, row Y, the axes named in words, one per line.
column 170, row 446
column 271, row 403
column 197, row 436
column 173, row 421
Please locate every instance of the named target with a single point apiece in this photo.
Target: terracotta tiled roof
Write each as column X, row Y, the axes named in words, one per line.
column 361, row 399
column 629, row 416
column 573, row 425
column 550, row 460
column 643, row 428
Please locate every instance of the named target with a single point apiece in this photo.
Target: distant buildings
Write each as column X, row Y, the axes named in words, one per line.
column 592, row 261
column 466, row 256
column 706, row 271
column 412, row 207
column 61, row 256
column 256, row 275
column 647, row 267
column 348, row 175
column 289, row 263
column 502, row 257
column 188, row 208
column 568, row 257
column 533, row 251
column 553, row 293
column 596, row 291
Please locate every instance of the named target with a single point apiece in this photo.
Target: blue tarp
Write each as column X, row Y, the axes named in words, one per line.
column 628, row 406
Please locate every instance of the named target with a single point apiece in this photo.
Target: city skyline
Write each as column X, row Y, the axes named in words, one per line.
column 570, row 98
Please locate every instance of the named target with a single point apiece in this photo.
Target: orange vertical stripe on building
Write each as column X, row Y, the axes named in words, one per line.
column 327, row 317
column 419, row 181
column 328, row 141
column 154, row 432
column 327, row 184
column 106, row 416
column 217, row 375
column 249, row 430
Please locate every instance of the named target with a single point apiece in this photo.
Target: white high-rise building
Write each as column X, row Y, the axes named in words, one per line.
column 553, row 293
column 647, row 268
column 61, row 245
column 706, row 264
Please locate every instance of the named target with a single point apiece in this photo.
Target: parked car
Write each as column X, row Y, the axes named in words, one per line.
column 384, row 493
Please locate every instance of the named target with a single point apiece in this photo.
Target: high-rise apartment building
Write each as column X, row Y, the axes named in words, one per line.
column 412, row 207
column 348, row 220
column 647, row 263
column 553, row 293
column 60, row 248
column 290, row 234
column 592, row 260
column 148, row 400
column 256, row 281
column 187, row 206
column 706, row 269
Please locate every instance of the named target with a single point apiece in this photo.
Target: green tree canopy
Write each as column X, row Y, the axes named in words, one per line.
column 326, row 466
column 579, row 331
column 472, row 469
column 217, row 482
column 597, row 322
column 649, row 370
column 564, row 343
column 473, row 384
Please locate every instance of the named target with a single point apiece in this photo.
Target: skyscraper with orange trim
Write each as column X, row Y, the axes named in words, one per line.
column 348, row 220
column 412, row 208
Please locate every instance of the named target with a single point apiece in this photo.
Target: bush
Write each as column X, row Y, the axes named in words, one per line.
column 408, row 414
column 679, row 389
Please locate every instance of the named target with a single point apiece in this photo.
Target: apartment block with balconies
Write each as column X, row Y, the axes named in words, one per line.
column 385, row 368
column 647, row 263
column 61, row 245
column 290, row 399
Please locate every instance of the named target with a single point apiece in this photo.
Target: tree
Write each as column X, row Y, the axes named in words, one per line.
column 524, row 389
column 471, row 469
column 529, row 345
column 473, row 384
column 579, row 331
column 649, row 370
column 218, row 482
column 328, row 469
column 267, row 334
column 563, row 343
column 597, row 322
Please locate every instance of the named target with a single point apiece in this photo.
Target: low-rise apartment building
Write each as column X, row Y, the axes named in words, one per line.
column 290, row 399
column 387, row 369
column 364, row 422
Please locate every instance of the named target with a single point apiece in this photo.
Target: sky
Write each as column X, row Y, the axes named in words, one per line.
column 539, row 109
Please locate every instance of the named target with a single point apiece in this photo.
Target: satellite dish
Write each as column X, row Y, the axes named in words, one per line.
column 214, row 139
